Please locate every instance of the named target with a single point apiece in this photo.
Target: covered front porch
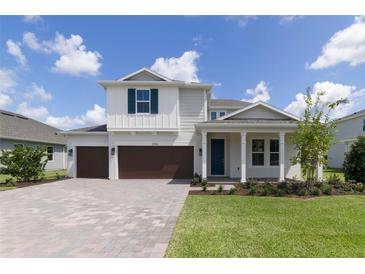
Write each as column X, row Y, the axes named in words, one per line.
column 237, row 154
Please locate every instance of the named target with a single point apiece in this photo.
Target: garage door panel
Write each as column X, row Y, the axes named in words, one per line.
column 92, row 162
column 149, row 162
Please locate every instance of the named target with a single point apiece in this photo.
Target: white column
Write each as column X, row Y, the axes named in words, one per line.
column 243, row 156
column 320, row 173
column 204, row 154
column 282, row 156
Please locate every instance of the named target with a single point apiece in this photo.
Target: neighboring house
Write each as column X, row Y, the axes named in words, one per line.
column 347, row 130
column 18, row 129
column 162, row 128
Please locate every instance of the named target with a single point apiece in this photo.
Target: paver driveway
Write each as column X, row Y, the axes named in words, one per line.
column 90, row 218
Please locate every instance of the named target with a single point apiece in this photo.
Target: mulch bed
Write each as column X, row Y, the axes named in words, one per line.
column 35, row 183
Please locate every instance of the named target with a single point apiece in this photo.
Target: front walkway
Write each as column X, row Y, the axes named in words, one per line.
column 90, row 218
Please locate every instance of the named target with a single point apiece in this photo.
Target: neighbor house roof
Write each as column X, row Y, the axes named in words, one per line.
column 15, row 126
column 352, row 116
column 99, row 129
column 227, row 103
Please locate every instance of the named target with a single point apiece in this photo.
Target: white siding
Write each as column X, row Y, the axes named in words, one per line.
column 118, row 117
column 191, row 108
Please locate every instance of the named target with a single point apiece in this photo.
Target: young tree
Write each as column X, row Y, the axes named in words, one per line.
column 314, row 134
column 354, row 164
column 23, row 162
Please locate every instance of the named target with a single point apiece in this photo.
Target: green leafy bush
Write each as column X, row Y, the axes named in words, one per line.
column 335, row 181
column 204, row 187
column 10, row 182
column 250, row 183
column 204, row 182
column 220, row 188
column 195, row 181
column 280, row 192
column 354, row 164
column 267, row 189
column 359, row 187
column 315, row 191
column 327, row 189
column 252, row 190
column 232, row 191
column 23, row 162
column 303, row 191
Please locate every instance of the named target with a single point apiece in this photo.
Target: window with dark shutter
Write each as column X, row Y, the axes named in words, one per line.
column 131, row 100
column 154, row 101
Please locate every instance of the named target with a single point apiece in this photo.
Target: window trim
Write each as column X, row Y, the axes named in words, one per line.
column 253, row 152
column 270, row 152
column 211, row 115
column 143, row 101
column 48, row 160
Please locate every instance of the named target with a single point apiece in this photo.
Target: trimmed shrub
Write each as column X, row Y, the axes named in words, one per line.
column 204, row 182
column 250, row 183
column 195, row 181
column 268, row 189
column 335, row 181
column 232, row 191
column 354, row 164
column 10, row 182
column 220, row 188
column 359, row 187
column 302, row 191
column 204, row 187
column 280, row 192
column 327, row 189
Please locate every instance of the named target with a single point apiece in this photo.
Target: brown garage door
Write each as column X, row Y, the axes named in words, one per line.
column 92, row 162
column 155, row 162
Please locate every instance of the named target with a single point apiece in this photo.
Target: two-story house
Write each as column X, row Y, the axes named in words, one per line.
column 347, row 130
column 163, row 128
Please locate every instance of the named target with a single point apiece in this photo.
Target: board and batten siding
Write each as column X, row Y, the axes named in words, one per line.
column 118, row 117
column 191, row 108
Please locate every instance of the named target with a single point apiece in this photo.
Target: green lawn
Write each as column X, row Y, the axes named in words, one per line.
column 330, row 171
column 236, row 226
column 51, row 174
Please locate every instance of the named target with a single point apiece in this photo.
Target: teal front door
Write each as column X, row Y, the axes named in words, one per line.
column 217, row 156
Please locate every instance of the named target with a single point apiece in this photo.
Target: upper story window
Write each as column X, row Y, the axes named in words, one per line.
column 222, row 113
column 143, row 101
column 258, row 152
column 213, row 115
column 50, row 153
column 363, row 125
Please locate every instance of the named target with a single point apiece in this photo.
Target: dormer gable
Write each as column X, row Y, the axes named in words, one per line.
column 144, row 74
column 260, row 111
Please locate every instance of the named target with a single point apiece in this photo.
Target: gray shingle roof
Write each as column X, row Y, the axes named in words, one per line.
column 251, row 121
column 99, row 128
column 19, row 127
column 228, row 103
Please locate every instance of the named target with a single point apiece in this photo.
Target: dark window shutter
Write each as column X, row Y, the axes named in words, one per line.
column 154, row 101
column 131, row 100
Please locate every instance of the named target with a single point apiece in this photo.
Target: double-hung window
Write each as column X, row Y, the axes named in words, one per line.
column 143, row 101
column 222, row 113
column 274, row 152
column 258, row 152
column 50, row 153
column 213, row 115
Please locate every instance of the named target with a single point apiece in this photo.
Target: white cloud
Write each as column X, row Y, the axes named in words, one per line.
column 333, row 92
column 182, row 68
column 95, row 116
column 345, row 46
column 73, row 59
column 259, row 93
column 241, row 20
column 38, row 113
column 31, row 40
column 289, row 19
column 7, row 83
column 5, row 100
column 7, row 80
column 38, row 92
column 217, row 84
column 14, row 49
column 64, row 122
column 32, row 18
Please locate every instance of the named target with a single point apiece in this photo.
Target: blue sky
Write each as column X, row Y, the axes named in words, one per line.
column 50, row 75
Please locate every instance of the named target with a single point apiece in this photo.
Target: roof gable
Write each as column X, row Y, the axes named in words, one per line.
column 260, row 110
column 144, row 74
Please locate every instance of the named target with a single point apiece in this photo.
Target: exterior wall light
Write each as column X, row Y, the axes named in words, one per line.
column 200, row 151
column 112, row 151
column 70, row 152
